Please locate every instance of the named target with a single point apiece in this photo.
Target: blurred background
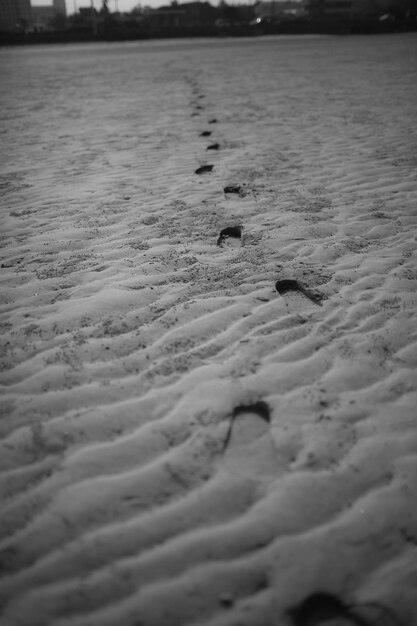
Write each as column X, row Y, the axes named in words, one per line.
column 31, row 21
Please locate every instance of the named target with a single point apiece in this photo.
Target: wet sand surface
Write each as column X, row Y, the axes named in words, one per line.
column 209, row 353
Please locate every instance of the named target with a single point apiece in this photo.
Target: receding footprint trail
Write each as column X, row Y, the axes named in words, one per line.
column 249, row 449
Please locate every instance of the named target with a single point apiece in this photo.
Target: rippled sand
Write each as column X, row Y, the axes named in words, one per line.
column 202, row 429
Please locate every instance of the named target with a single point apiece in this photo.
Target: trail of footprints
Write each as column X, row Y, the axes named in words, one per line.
column 247, row 458
column 249, row 450
column 232, row 235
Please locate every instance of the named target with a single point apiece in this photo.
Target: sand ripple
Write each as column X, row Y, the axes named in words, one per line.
column 181, row 442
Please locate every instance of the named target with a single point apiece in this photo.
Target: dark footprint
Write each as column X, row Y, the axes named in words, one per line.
column 248, row 447
column 205, row 133
column 228, row 234
column 213, row 121
column 204, row 169
column 290, row 285
column 320, row 609
column 233, row 189
column 213, row 146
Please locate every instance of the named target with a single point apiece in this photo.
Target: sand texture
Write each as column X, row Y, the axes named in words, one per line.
column 209, row 338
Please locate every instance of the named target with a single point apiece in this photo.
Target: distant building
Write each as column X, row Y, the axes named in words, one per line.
column 199, row 13
column 44, row 16
column 279, row 8
column 85, row 20
column 60, row 7
column 189, row 15
column 166, row 18
column 86, row 12
column 330, row 8
column 15, row 14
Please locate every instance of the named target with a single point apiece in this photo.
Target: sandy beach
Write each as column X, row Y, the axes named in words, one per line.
column 208, row 333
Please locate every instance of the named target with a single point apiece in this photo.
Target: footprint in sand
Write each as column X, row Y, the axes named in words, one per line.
column 231, row 236
column 289, row 286
column 325, row 609
column 233, row 189
column 205, row 133
column 248, row 447
column 213, row 146
column 204, row 169
column 213, row 121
